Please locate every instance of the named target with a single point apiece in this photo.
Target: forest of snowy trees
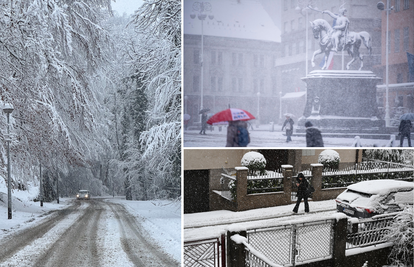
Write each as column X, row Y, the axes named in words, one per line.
column 96, row 97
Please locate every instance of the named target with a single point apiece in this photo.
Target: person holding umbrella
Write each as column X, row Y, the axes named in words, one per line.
column 288, row 125
column 203, row 120
column 237, row 133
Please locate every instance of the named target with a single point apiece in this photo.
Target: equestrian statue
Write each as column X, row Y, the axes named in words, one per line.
column 338, row 37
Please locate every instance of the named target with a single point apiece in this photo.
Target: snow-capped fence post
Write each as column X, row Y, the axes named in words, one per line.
column 241, row 187
column 235, row 250
column 287, row 171
column 339, row 241
column 316, row 182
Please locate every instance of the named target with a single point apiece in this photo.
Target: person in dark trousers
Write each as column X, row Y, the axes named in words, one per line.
column 288, row 125
column 203, row 123
column 302, row 185
column 232, row 133
column 313, row 136
column 405, row 131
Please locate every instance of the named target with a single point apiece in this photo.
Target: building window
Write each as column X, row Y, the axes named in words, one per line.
column 220, row 84
column 285, row 5
column 255, row 86
column 240, row 84
column 300, row 23
column 397, row 41
column 400, row 78
column 293, row 48
column 262, row 85
column 240, row 59
column 213, row 84
column 406, row 39
column 292, row 25
column 302, row 47
column 233, row 59
column 234, row 84
column 262, row 61
column 397, row 5
column 196, row 84
column 410, row 103
column 285, row 28
column 196, row 59
column 290, row 49
column 292, row 3
column 220, row 58
column 406, row 4
column 274, row 61
column 213, row 57
column 255, row 61
column 286, row 50
column 400, row 101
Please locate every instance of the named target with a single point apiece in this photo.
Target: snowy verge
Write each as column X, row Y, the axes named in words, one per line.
column 161, row 219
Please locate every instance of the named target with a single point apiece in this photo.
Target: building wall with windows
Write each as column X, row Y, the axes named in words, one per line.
column 400, row 41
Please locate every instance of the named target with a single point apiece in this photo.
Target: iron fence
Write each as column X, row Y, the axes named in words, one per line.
column 366, row 171
column 291, row 244
column 205, row 253
column 369, row 232
column 256, row 259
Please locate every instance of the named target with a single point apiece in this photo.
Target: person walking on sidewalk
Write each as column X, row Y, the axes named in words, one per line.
column 405, row 131
column 288, row 125
column 302, row 185
column 313, row 136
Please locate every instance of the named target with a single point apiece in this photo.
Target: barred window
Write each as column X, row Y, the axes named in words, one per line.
column 406, row 38
column 220, row 84
column 196, row 84
column 397, row 41
column 213, row 84
column 196, row 55
column 406, row 4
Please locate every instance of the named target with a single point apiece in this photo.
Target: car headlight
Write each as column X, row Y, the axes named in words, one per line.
column 77, row 195
column 86, row 195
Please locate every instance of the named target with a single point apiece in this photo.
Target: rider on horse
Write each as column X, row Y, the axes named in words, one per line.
column 340, row 28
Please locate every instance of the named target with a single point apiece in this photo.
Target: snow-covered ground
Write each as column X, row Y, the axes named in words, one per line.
column 212, row 224
column 160, row 218
column 264, row 137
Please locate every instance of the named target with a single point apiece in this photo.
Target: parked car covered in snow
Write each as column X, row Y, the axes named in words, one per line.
column 83, row 194
column 368, row 198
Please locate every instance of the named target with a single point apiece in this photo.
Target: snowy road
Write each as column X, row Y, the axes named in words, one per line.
column 87, row 233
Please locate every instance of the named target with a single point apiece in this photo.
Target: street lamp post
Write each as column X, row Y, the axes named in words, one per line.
column 8, row 109
column 200, row 10
column 381, row 6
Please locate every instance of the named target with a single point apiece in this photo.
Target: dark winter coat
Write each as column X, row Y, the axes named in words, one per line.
column 313, row 137
column 288, row 124
column 232, row 139
column 302, row 188
column 405, row 126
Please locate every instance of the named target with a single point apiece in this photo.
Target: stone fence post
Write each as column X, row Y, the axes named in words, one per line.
column 236, row 253
column 339, row 244
column 287, row 171
column 241, row 186
column 317, row 180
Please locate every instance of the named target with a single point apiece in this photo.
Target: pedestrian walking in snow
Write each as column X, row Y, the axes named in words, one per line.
column 313, row 136
column 302, row 186
column 237, row 134
column 288, row 125
column 405, row 131
column 203, row 123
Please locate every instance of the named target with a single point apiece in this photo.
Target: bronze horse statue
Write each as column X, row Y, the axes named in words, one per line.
column 322, row 30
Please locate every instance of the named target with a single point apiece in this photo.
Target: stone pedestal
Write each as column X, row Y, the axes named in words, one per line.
column 342, row 101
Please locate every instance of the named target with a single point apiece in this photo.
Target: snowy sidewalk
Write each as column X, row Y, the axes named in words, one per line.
column 213, row 223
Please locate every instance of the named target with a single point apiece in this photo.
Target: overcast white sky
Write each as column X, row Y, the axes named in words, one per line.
column 127, row 6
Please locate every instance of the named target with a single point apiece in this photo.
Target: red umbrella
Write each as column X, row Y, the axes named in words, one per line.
column 231, row 114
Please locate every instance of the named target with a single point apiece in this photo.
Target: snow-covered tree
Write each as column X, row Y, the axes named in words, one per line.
column 401, row 234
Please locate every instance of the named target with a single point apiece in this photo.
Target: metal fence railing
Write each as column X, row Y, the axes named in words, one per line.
column 204, row 253
column 369, row 232
column 294, row 243
column 366, row 171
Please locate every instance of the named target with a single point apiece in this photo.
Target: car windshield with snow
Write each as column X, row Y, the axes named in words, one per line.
column 83, row 194
column 368, row 198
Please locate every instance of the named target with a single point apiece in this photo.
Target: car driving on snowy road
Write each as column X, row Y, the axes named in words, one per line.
column 83, row 194
column 368, row 198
